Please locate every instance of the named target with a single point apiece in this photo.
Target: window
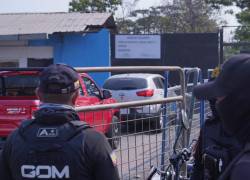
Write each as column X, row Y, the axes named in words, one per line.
column 9, row 63
column 159, row 83
column 19, row 85
column 81, row 91
column 32, row 62
column 92, row 89
column 125, row 83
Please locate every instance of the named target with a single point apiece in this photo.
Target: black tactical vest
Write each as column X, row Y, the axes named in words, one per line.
column 49, row 151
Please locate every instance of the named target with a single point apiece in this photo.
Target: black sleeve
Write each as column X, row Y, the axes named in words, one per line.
column 103, row 158
column 241, row 171
column 5, row 172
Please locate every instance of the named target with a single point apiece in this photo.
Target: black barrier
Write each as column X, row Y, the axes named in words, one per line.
column 179, row 49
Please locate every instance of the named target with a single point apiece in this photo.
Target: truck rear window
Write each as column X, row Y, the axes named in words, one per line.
column 125, row 84
column 19, row 85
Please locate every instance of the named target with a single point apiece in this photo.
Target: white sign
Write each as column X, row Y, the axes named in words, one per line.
column 137, row 46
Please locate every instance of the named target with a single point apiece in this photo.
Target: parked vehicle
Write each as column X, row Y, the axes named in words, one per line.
column 139, row 86
column 18, row 102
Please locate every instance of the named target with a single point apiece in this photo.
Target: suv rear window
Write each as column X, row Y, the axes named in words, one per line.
column 125, row 84
column 159, row 83
column 19, row 85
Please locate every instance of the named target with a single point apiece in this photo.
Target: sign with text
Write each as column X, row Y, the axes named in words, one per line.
column 137, row 46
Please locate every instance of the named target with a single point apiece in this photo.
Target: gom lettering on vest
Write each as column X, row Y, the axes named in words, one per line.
column 44, row 172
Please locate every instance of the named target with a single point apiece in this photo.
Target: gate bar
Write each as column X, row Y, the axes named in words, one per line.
column 128, row 104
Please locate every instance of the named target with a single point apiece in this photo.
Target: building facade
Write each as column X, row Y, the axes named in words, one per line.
column 40, row 39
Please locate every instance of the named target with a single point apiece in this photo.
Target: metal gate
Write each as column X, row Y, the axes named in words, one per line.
column 141, row 146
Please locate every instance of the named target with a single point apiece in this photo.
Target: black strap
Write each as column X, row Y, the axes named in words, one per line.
column 80, row 126
column 226, row 174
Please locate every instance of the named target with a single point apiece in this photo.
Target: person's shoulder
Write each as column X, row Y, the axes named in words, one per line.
column 91, row 132
column 92, row 135
column 241, row 168
column 11, row 140
column 245, row 159
column 95, row 141
column 12, row 136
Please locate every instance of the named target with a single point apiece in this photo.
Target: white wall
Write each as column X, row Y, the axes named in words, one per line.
column 22, row 53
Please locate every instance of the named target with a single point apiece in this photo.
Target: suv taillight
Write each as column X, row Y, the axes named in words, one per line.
column 145, row 93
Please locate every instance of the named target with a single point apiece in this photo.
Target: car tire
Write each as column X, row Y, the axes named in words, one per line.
column 114, row 133
column 156, row 124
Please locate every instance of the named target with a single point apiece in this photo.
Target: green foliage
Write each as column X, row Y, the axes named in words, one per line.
column 242, row 32
column 218, row 3
column 240, row 3
column 230, row 51
column 184, row 16
column 94, row 5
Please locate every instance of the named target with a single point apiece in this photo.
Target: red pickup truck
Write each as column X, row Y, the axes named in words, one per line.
column 18, row 102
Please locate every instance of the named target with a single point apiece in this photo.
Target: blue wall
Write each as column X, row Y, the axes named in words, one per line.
column 81, row 50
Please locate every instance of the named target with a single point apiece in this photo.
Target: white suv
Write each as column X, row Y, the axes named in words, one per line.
column 139, row 86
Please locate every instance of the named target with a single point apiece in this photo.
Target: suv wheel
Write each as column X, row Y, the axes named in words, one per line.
column 157, row 123
column 114, row 133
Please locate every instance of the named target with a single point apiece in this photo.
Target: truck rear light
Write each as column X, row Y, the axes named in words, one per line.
column 146, row 93
column 33, row 109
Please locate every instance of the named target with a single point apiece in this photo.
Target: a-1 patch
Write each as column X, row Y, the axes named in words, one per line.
column 113, row 158
column 47, row 132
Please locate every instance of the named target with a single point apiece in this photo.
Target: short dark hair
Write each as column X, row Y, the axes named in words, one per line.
column 58, row 98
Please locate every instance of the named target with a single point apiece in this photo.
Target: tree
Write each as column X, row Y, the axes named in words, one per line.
column 242, row 32
column 191, row 16
column 182, row 16
column 94, row 5
column 218, row 3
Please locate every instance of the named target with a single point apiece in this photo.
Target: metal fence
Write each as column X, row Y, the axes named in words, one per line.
column 143, row 142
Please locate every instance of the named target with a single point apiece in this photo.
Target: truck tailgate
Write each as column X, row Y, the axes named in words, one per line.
column 13, row 112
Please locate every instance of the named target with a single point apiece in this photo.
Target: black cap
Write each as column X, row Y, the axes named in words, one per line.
column 234, row 76
column 59, row 79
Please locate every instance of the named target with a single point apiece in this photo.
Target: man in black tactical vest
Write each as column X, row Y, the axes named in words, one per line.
column 215, row 147
column 56, row 144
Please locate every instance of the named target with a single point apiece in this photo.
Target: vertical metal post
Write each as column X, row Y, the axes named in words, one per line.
column 191, row 104
column 164, row 138
column 202, row 105
column 221, row 32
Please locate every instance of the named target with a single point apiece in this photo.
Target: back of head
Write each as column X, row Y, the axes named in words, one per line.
column 59, row 83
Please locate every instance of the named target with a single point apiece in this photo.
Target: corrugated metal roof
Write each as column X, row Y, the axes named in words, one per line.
column 48, row 23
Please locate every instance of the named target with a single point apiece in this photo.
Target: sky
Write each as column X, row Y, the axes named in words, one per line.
column 10, row 6
column 15, row 6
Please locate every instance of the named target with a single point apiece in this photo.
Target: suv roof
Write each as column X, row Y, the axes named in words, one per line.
column 136, row 75
column 130, row 81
